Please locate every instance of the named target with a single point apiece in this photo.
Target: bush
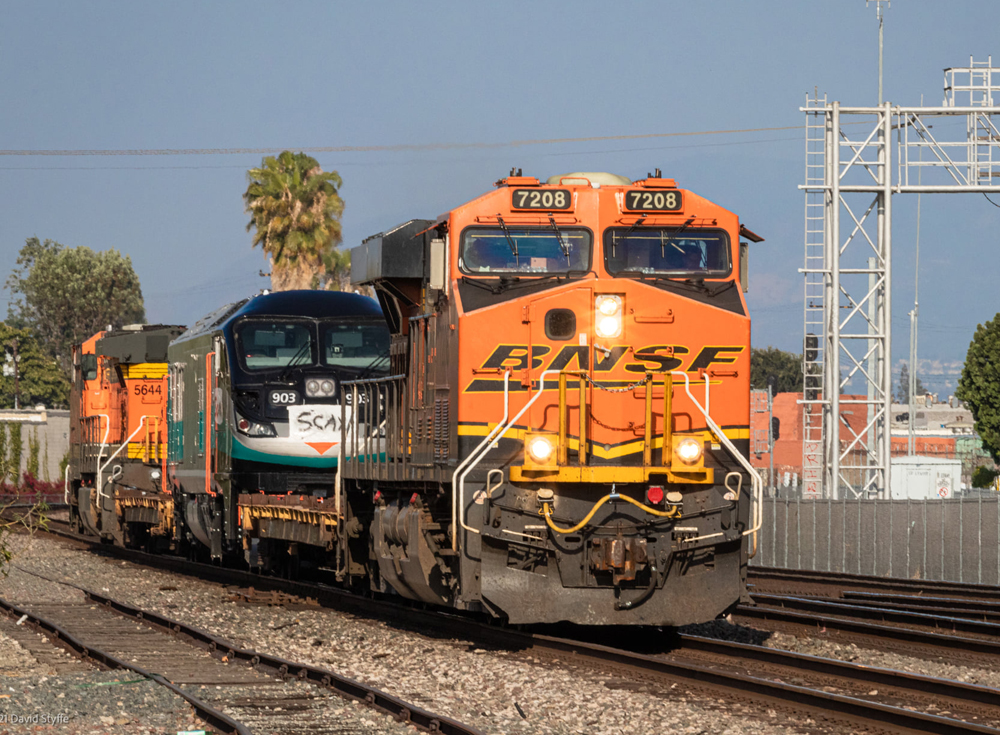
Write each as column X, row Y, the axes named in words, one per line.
column 983, row 477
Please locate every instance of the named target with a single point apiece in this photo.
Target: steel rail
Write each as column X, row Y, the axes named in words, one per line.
column 935, row 644
column 985, row 611
column 883, row 614
column 388, row 704
column 205, row 711
column 847, row 709
column 958, row 692
column 761, row 576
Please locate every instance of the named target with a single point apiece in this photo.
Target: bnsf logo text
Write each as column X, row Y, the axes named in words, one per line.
column 648, row 359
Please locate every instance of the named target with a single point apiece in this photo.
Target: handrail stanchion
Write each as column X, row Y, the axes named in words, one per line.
column 647, row 432
column 563, row 420
column 668, row 419
column 758, row 485
column 583, row 417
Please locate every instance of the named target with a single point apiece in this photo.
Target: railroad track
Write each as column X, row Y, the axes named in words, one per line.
column 270, row 694
column 835, row 696
column 806, row 583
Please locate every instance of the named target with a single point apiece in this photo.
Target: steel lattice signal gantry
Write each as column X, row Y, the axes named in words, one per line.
column 856, row 159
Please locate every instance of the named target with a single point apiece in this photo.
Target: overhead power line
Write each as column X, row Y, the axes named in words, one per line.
column 370, row 148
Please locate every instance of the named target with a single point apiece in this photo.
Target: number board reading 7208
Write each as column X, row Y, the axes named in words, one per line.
column 541, row 199
column 653, row 201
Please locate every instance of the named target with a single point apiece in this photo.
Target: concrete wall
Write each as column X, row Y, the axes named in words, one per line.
column 53, row 434
column 954, row 540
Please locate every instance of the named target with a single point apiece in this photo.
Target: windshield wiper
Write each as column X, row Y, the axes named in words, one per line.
column 562, row 246
column 510, row 240
column 304, row 348
column 373, row 365
column 673, row 235
column 624, row 236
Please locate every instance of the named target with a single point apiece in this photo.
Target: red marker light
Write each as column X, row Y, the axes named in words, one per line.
column 378, row 496
column 654, row 494
column 413, row 498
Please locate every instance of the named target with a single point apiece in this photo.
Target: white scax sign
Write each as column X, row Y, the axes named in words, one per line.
column 316, row 422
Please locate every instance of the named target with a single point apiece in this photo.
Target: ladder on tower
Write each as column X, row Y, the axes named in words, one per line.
column 816, row 273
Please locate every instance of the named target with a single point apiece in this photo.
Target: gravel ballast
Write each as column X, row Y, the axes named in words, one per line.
column 34, row 699
column 496, row 691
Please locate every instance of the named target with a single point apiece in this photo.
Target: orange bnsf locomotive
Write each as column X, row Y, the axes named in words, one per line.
column 564, row 430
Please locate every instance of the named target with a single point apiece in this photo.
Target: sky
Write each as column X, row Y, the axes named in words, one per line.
column 430, row 103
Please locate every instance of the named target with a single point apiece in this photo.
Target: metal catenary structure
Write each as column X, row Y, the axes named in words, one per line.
column 856, row 159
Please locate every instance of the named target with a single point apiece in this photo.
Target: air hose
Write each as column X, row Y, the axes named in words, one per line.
column 672, row 512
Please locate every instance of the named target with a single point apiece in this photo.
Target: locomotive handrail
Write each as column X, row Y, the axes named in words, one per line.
column 458, row 488
column 356, row 436
column 758, row 484
column 101, row 468
column 107, row 431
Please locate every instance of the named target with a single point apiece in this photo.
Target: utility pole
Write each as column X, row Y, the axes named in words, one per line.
column 911, row 442
column 881, row 20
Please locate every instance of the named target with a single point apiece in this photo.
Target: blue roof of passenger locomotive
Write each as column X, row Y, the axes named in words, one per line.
column 310, row 304
column 307, row 304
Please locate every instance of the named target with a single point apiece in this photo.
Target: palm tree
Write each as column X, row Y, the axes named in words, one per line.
column 295, row 208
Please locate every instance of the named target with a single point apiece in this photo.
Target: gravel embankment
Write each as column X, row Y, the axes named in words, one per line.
column 496, row 691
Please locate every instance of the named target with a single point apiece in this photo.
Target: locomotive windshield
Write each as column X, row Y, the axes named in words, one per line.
column 525, row 251
column 670, row 251
column 356, row 344
column 267, row 345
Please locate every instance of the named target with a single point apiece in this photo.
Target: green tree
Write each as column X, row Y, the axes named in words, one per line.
column 295, row 208
column 903, row 391
column 40, row 378
column 65, row 295
column 979, row 385
column 983, row 476
column 785, row 366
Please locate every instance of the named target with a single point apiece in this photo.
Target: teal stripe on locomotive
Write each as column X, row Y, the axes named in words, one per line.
column 240, row 451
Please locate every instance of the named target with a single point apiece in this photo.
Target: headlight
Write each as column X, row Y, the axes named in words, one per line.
column 251, row 428
column 688, row 450
column 608, row 305
column 609, row 316
column 321, row 387
column 609, row 326
column 541, row 449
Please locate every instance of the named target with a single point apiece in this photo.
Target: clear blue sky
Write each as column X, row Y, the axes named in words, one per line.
column 186, row 75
